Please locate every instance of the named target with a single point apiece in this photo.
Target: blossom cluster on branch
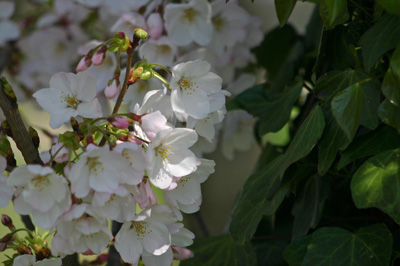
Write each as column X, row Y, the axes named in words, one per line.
column 112, row 164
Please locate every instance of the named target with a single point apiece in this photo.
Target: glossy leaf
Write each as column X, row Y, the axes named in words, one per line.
column 309, row 205
column 377, row 141
column 333, row 12
column 357, row 104
column 283, row 10
column 376, row 183
column 295, row 252
column 391, row 6
column 369, row 246
column 333, row 140
column 273, row 110
column 263, row 184
column 391, row 82
column 390, row 114
column 220, row 250
column 380, row 38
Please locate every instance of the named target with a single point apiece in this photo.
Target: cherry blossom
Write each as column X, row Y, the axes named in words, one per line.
column 30, row 260
column 69, row 95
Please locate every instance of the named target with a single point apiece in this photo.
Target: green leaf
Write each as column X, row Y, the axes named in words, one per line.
column 389, row 114
column 295, row 252
column 357, row 104
column 307, row 209
column 376, row 183
column 333, row 12
column 280, row 53
column 383, row 36
column 336, row 81
column 220, row 250
column 338, row 52
column 382, row 139
column 273, row 109
column 391, row 82
column 391, row 6
column 369, row 246
column 283, row 10
column 269, row 252
column 264, row 183
column 333, row 140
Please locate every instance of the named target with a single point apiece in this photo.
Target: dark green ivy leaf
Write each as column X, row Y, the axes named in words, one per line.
column 391, row 82
column 283, row 10
column 264, row 183
column 357, row 104
column 376, row 183
column 390, row 114
column 307, row 209
column 273, row 109
column 391, row 6
column 369, row 246
column 220, row 251
column 295, row 252
column 333, row 12
column 383, row 36
column 377, row 141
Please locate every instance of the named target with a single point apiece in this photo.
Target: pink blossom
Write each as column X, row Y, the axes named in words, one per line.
column 119, row 122
column 98, row 58
column 181, row 253
column 112, row 89
column 83, row 64
column 147, row 196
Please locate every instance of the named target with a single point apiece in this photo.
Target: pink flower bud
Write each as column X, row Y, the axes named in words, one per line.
column 6, row 220
column 83, row 64
column 98, row 58
column 119, row 122
column 147, row 195
column 181, row 253
column 112, row 89
column 155, row 24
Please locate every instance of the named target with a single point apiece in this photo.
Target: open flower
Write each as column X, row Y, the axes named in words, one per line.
column 69, row 95
column 192, row 83
column 168, row 155
column 189, row 22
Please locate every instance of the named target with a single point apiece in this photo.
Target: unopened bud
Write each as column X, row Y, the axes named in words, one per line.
column 8, row 90
column 147, row 75
column 83, row 64
column 98, row 58
column 136, row 73
column 34, row 136
column 181, row 253
column 112, row 89
column 7, row 221
column 141, row 33
column 118, row 122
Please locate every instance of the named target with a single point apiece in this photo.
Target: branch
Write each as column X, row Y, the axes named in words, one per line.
column 20, row 135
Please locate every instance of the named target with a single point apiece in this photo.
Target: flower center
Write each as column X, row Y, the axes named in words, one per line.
column 184, row 180
column 188, row 85
column 189, row 15
column 71, row 100
column 163, row 49
column 40, row 181
column 141, row 229
column 164, row 152
column 218, row 22
column 94, row 165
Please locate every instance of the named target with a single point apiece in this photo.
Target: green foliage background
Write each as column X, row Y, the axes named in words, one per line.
column 332, row 195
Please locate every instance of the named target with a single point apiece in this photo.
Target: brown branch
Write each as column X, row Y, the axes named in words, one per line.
column 20, row 135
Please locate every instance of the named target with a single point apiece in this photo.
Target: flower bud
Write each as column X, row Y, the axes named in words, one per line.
column 136, row 73
column 142, row 34
column 147, row 195
column 181, row 253
column 136, row 117
column 7, row 238
column 83, row 64
column 8, row 90
column 6, row 220
column 119, row 122
column 98, row 58
column 147, row 75
column 112, row 89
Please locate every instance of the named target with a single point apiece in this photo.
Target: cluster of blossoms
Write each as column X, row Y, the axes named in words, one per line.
column 218, row 32
column 141, row 167
column 109, row 166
